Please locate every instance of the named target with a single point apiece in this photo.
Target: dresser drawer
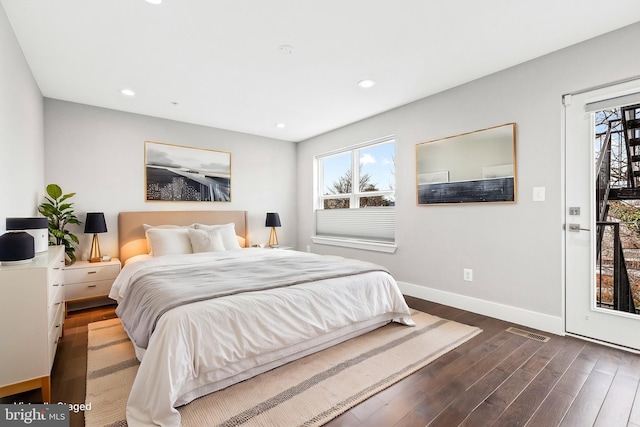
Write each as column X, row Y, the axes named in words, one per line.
column 55, row 303
column 87, row 290
column 55, row 332
column 90, row 274
column 55, row 270
column 55, row 277
column 54, row 290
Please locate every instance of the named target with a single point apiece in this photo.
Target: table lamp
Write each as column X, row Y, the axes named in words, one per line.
column 95, row 223
column 273, row 221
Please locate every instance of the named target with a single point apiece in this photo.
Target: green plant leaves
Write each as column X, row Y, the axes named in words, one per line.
column 54, row 191
column 66, row 196
column 60, row 214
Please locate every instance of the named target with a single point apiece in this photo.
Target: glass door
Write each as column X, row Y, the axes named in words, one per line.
column 602, row 217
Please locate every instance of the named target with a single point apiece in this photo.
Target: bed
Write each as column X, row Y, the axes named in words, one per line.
column 203, row 321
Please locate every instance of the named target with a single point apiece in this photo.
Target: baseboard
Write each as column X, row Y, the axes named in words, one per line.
column 531, row 319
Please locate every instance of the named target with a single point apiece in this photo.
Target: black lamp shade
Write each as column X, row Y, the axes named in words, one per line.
column 16, row 246
column 95, row 223
column 273, row 220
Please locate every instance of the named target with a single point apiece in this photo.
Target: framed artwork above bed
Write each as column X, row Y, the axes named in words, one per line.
column 178, row 173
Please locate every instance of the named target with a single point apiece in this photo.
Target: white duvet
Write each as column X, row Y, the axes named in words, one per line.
column 205, row 346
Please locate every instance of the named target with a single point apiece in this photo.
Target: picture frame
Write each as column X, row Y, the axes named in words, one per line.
column 473, row 167
column 180, row 173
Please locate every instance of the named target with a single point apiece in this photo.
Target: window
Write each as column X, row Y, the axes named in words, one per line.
column 356, row 196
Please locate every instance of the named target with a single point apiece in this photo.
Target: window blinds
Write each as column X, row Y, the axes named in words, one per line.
column 375, row 224
column 618, row 101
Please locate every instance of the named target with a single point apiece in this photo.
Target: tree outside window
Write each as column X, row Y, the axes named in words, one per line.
column 374, row 167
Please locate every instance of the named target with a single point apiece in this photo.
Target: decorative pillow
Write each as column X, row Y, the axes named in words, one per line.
column 169, row 241
column 205, row 240
column 147, row 227
column 227, row 231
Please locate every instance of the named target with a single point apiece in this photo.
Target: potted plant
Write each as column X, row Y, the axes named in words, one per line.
column 60, row 213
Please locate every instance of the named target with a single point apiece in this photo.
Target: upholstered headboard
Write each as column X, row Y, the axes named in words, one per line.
column 131, row 236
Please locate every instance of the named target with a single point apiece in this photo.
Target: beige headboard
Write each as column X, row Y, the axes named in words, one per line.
column 131, row 237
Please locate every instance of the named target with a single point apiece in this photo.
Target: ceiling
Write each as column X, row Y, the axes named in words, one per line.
column 222, row 63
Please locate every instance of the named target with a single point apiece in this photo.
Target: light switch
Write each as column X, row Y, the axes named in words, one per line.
column 538, row 194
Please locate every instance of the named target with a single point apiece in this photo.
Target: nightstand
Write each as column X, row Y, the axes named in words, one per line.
column 87, row 284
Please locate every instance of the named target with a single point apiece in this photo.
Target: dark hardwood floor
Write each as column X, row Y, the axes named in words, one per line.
column 497, row 378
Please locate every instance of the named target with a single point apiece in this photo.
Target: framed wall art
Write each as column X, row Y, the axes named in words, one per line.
column 177, row 173
column 473, row 167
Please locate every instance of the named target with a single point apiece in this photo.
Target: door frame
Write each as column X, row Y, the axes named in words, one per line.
column 566, row 100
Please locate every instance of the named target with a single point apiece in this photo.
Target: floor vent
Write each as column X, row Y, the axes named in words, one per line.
column 528, row 334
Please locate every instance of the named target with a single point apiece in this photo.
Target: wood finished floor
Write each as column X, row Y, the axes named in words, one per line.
column 495, row 379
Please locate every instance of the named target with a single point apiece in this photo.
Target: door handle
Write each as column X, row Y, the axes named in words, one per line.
column 576, row 228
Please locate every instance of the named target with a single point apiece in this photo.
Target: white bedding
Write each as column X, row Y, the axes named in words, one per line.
column 205, row 346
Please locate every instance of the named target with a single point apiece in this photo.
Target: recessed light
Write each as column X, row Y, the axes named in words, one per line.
column 127, row 92
column 366, row 83
column 281, row 125
column 154, row 1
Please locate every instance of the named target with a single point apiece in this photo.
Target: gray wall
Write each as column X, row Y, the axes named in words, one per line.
column 21, row 131
column 99, row 154
column 515, row 250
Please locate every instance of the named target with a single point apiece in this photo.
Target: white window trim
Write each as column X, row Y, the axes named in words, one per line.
column 355, row 244
column 320, row 197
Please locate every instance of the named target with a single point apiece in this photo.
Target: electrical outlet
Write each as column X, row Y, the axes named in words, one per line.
column 467, row 274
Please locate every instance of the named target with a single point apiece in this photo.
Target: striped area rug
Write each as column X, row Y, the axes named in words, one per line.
column 307, row 392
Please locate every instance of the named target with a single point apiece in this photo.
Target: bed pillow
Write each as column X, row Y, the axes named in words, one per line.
column 227, row 231
column 205, row 240
column 169, row 241
column 136, row 258
column 147, row 227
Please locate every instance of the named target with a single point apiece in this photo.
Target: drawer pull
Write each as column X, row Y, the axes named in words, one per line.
column 56, row 284
column 56, row 268
column 59, row 302
column 92, row 286
column 58, row 325
column 91, row 272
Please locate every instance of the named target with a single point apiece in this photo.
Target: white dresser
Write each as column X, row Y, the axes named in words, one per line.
column 85, row 281
column 32, row 312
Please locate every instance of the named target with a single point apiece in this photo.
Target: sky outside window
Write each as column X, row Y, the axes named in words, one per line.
column 333, row 168
column 377, row 161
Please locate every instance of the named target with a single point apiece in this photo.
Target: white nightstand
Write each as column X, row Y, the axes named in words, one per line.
column 87, row 284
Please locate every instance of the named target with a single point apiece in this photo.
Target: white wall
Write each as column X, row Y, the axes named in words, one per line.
column 515, row 250
column 21, row 131
column 99, row 154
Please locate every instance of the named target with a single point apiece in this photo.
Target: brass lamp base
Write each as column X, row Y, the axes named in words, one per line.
column 94, row 255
